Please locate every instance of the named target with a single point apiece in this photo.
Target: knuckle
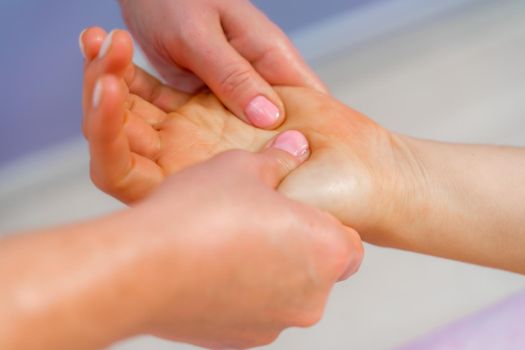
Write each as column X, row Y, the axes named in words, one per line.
column 341, row 259
column 189, row 34
column 287, row 164
column 267, row 339
column 235, row 158
column 253, row 339
column 310, row 318
column 234, row 79
column 346, row 255
column 186, row 41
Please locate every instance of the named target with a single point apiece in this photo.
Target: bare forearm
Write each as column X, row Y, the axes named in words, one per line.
column 472, row 207
column 67, row 288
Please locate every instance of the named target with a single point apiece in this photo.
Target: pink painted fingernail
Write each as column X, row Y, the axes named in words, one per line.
column 293, row 142
column 262, row 112
column 105, row 45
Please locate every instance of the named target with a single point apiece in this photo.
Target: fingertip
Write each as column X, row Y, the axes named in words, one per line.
column 116, row 51
column 283, row 155
column 294, row 143
column 90, row 40
column 263, row 112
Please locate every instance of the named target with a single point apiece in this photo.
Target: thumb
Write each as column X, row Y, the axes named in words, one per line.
column 281, row 156
column 235, row 81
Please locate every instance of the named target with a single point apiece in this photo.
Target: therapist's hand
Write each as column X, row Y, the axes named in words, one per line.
column 230, row 46
column 234, row 262
column 214, row 257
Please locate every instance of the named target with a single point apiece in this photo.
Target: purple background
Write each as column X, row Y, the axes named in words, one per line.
column 498, row 327
column 41, row 67
column 41, row 70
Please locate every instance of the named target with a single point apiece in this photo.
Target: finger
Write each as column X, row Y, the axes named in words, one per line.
column 272, row 54
column 143, row 138
column 174, row 75
column 90, row 40
column 152, row 90
column 231, row 77
column 355, row 253
column 342, row 248
column 114, row 168
column 113, row 57
column 139, row 81
column 281, row 156
column 148, row 112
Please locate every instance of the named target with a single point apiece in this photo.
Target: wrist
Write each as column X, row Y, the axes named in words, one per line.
column 74, row 286
column 119, row 285
column 158, row 274
column 131, row 278
column 408, row 195
column 429, row 198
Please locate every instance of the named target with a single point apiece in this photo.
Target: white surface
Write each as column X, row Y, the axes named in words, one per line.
column 458, row 78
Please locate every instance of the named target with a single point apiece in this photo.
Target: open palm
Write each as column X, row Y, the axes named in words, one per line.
column 142, row 131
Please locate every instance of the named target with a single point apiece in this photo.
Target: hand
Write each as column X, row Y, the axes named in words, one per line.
column 229, row 45
column 233, row 261
column 167, row 131
column 395, row 190
column 214, row 257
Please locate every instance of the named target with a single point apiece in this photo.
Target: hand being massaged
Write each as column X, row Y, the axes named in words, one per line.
column 394, row 190
column 168, row 130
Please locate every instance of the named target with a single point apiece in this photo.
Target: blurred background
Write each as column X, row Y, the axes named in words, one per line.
column 450, row 70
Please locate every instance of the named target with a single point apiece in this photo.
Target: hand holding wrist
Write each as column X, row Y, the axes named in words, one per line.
column 206, row 266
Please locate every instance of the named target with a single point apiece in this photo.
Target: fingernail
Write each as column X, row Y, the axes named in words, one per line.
column 97, row 93
column 262, row 112
column 81, row 43
column 293, row 142
column 105, row 45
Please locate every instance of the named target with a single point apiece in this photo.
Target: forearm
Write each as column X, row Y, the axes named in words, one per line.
column 468, row 204
column 70, row 288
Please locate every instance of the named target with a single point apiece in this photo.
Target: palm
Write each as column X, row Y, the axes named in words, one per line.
column 168, row 131
column 200, row 129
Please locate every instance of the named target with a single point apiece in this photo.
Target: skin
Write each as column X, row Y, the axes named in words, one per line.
column 210, row 43
column 233, row 280
column 395, row 190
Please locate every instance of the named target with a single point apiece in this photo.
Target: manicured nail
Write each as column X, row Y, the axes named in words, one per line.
column 81, row 43
column 293, row 142
column 262, row 112
column 97, row 93
column 105, row 45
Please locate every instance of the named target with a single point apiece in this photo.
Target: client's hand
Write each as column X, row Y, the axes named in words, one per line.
column 353, row 171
